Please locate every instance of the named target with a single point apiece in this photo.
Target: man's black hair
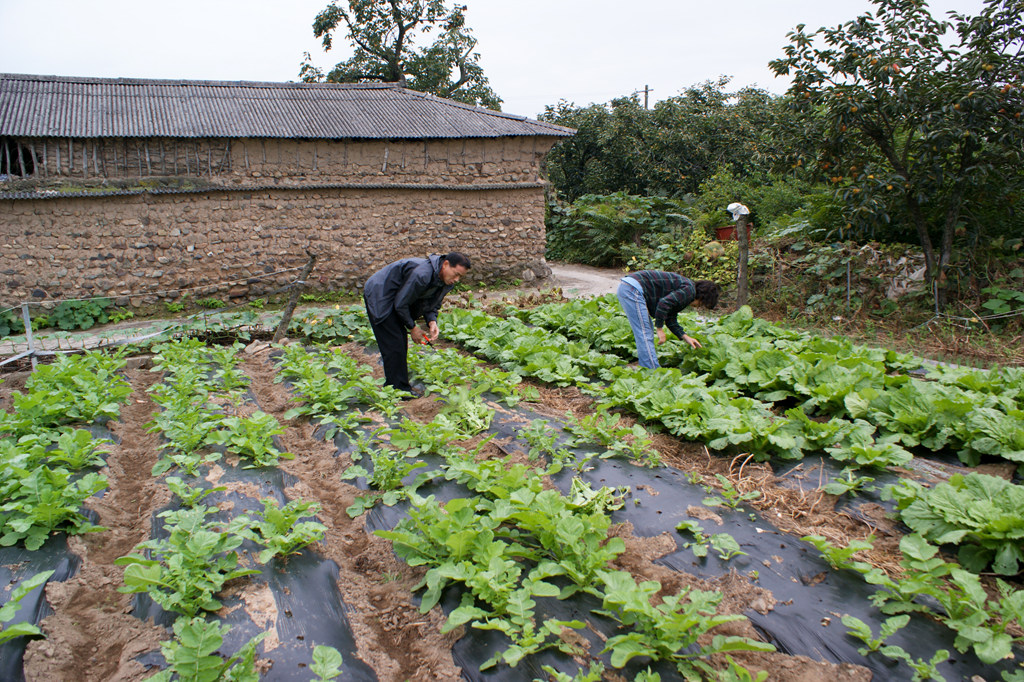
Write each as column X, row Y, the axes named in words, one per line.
column 707, row 293
column 455, row 259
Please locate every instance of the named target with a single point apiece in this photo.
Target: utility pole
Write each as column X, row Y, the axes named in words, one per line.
column 647, row 91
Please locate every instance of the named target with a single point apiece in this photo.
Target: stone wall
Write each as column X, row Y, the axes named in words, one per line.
column 356, row 206
column 144, row 248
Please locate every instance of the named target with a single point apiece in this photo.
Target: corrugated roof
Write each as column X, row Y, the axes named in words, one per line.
column 62, row 106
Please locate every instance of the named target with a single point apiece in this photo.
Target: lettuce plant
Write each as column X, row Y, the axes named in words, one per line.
column 982, row 514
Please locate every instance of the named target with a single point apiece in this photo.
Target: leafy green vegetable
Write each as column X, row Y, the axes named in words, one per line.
column 10, row 608
column 326, row 663
column 279, row 528
column 38, row 501
column 670, row 629
column 251, row 437
column 983, row 514
column 190, row 566
column 191, row 655
column 74, row 389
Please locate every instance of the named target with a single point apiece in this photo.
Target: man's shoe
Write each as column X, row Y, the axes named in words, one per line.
column 413, row 392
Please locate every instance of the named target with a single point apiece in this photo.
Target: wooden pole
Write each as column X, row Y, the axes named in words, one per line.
column 293, row 300
column 741, row 281
column 28, row 333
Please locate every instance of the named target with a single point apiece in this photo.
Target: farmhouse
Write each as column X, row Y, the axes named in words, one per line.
column 139, row 189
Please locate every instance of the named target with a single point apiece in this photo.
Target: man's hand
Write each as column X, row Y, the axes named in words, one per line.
column 661, row 335
column 417, row 334
column 694, row 343
column 432, row 330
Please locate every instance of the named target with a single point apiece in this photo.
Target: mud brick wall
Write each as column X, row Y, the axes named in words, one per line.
column 356, row 206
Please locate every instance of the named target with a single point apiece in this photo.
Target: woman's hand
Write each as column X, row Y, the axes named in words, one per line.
column 694, row 343
column 432, row 330
column 661, row 335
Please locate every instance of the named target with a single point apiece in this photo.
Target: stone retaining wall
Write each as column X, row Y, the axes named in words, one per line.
column 144, row 248
column 96, row 221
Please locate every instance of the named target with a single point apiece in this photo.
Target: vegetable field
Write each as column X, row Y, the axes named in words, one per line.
column 773, row 506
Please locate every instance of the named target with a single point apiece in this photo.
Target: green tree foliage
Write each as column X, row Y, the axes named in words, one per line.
column 608, row 230
column 391, row 41
column 668, row 150
column 916, row 120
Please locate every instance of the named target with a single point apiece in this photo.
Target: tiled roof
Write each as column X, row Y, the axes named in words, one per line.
column 60, row 106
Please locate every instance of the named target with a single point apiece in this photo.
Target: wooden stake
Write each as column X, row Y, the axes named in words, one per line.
column 293, row 300
column 741, row 281
column 21, row 160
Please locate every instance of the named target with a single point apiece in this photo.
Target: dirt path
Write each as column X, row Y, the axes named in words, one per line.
column 577, row 281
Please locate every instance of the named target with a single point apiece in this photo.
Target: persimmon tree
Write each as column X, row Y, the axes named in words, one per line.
column 914, row 118
column 669, row 149
column 424, row 45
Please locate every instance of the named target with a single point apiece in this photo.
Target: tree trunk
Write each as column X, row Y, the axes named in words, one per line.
column 743, row 233
column 949, row 228
column 931, row 267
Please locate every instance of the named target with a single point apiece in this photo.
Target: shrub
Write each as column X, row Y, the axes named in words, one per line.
column 71, row 315
column 605, row 230
column 692, row 255
column 774, row 202
column 11, row 323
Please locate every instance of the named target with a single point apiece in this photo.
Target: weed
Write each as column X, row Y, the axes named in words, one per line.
column 210, row 303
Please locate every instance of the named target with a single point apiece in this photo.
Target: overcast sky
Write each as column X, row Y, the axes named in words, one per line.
column 535, row 52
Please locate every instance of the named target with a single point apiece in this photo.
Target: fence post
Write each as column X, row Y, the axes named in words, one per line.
column 744, row 256
column 298, row 287
column 28, row 334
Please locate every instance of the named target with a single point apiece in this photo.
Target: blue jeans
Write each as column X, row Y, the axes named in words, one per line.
column 632, row 301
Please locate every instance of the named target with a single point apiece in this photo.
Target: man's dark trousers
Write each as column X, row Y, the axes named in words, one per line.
column 393, row 340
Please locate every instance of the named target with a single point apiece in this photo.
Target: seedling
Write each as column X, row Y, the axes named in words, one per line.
column 191, row 565
column 10, row 608
column 670, row 629
column 732, row 496
column 189, row 496
column 846, row 482
column 192, row 656
column 726, row 546
column 326, row 663
column 862, row 631
column 279, row 528
column 251, row 437
column 842, row 557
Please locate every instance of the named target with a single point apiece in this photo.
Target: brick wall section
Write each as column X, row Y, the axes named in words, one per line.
column 143, row 248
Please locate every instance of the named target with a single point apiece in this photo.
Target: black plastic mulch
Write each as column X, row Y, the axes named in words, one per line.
column 310, row 609
column 811, row 597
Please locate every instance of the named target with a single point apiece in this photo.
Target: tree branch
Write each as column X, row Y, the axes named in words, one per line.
column 464, row 76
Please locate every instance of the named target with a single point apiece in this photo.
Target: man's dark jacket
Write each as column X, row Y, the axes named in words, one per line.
column 410, row 288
